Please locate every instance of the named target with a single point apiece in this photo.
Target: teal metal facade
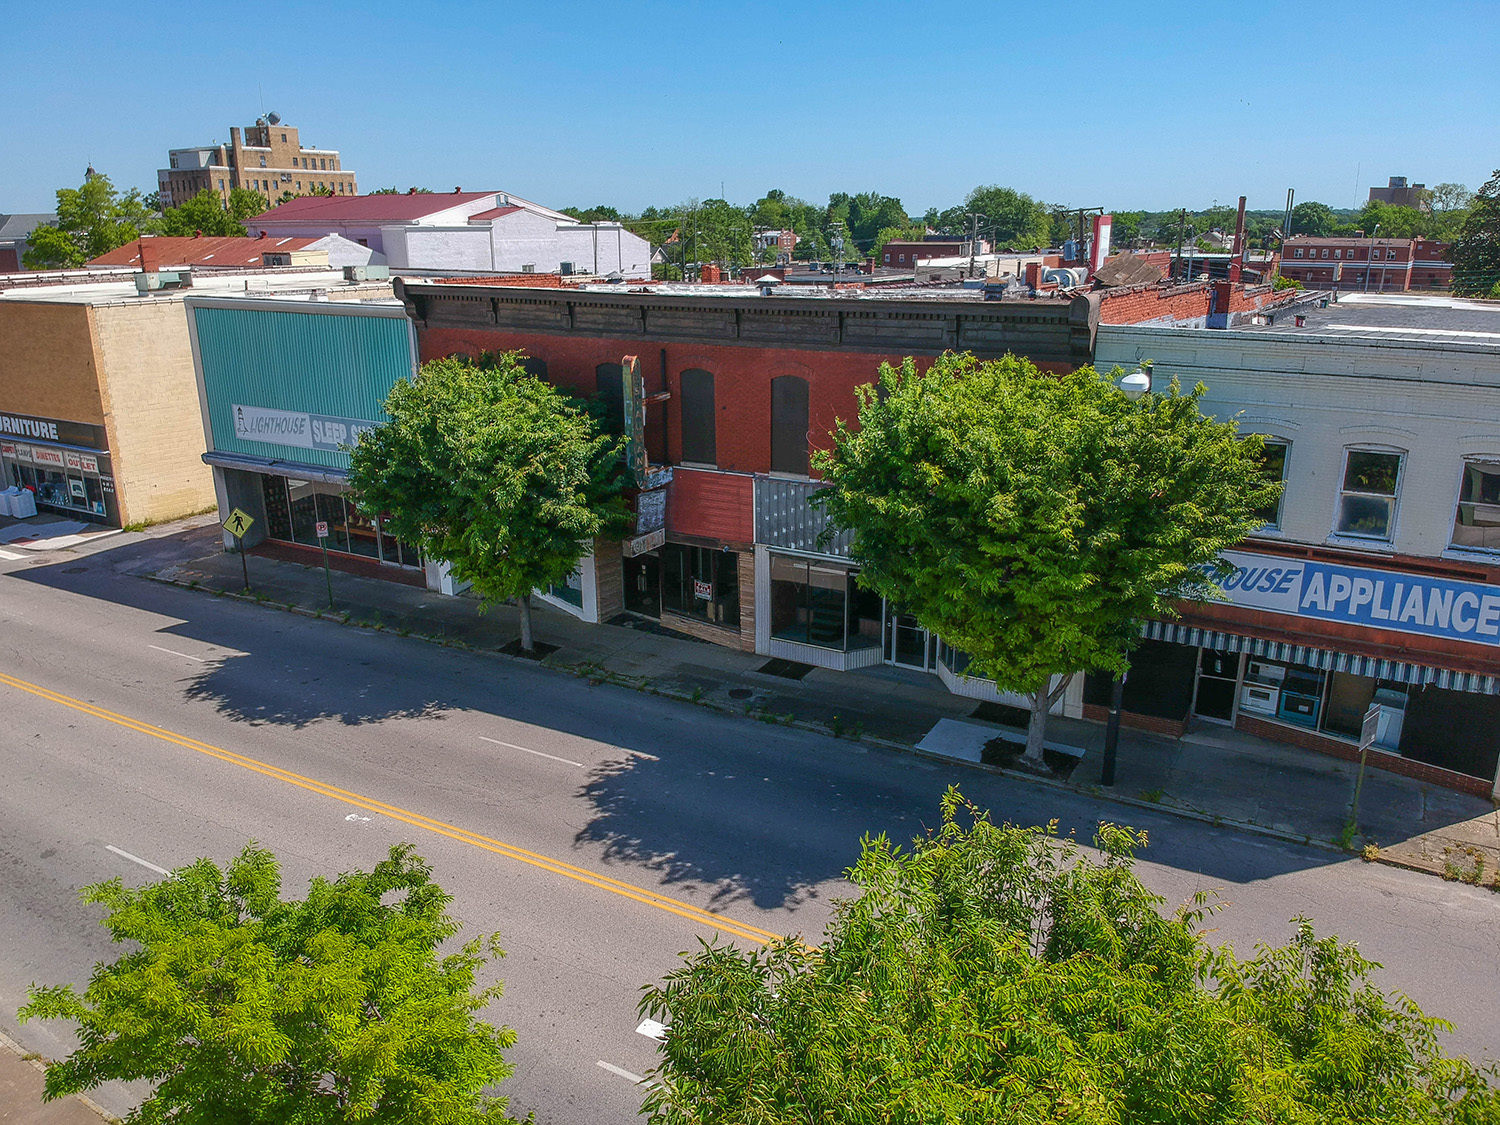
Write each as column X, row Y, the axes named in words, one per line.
column 302, row 379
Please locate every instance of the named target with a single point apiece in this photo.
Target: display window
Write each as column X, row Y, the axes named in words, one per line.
column 819, row 603
column 294, row 508
column 1326, row 701
column 701, row 582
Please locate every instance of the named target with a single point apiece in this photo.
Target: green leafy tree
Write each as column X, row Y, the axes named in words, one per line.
column 205, row 213
column 1476, row 254
column 895, row 234
column 1011, row 219
column 1393, row 221
column 241, row 1008
column 869, row 214
column 495, row 472
column 1316, row 219
column 394, row 190
column 1033, row 520
column 718, row 231
column 245, row 203
column 597, row 214
column 997, row 974
column 92, row 219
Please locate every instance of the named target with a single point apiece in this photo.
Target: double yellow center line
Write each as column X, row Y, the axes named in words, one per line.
column 554, row 866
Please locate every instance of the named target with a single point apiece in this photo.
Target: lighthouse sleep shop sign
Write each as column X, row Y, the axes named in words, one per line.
column 1381, row 599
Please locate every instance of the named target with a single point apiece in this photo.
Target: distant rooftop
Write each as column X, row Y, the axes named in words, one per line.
column 1398, row 317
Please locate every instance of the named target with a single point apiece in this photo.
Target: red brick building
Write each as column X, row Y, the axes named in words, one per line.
column 746, row 387
column 1375, row 265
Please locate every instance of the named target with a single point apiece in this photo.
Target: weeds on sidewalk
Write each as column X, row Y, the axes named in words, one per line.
column 1153, row 796
column 1371, row 853
column 1463, row 864
column 1345, row 838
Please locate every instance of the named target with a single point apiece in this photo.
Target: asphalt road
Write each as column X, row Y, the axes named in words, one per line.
column 141, row 722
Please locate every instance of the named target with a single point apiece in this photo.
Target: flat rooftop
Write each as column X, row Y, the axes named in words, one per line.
column 1404, row 317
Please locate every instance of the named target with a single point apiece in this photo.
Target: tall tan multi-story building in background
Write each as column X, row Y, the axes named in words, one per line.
column 267, row 157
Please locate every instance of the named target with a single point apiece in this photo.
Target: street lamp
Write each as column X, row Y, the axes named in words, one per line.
column 1133, row 386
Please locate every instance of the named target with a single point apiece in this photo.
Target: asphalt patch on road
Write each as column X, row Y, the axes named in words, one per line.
column 786, row 669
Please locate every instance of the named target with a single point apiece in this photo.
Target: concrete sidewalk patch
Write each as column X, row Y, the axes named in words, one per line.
column 21, row 1085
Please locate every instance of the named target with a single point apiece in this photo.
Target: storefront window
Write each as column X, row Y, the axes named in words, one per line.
column 278, row 512
column 570, row 589
column 1367, row 504
column 1476, row 524
column 819, row 604
column 701, row 582
column 363, row 538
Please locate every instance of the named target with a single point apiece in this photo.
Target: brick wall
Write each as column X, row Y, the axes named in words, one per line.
column 1142, row 303
column 718, row 634
column 155, row 424
column 1172, row 728
column 742, row 381
column 1337, row 748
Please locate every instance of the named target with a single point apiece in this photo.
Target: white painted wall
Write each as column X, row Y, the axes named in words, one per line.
column 437, row 247
column 1436, row 402
column 342, row 252
column 525, row 238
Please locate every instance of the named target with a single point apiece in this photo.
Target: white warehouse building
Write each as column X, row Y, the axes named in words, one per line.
column 464, row 232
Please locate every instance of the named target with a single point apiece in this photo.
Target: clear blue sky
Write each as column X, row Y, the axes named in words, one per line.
column 1124, row 105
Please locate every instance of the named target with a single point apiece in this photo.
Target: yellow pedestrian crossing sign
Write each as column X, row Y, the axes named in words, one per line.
column 238, row 523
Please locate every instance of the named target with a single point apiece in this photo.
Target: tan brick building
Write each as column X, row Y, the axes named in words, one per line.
column 267, row 157
column 99, row 412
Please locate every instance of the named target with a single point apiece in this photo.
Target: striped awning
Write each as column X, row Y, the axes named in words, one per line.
column 1325, row 659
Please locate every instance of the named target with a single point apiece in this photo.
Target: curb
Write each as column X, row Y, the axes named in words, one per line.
column 594, row 674
column 37, row 1062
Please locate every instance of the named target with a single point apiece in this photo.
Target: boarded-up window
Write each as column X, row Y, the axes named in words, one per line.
column 789, row 425
column 698, row 439
column 608, row 382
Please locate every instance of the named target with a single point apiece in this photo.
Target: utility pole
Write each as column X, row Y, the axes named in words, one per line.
column 1181, row 232
column 974, row 240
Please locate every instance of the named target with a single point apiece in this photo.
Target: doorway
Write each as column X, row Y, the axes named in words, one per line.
column 1218, row 679
column 643, row 585
column 907, row 644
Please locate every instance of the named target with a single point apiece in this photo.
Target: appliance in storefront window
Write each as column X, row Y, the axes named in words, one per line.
column 1259, row 699
column 1301, row 697
column 1391, row 704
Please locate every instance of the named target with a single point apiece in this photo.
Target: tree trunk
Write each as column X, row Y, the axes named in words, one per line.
column 1041, row 704
column 1036, row 729
column 528, row 644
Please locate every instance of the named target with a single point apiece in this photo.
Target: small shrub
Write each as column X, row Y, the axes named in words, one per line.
column 1153, row 796
column 1345, row 838
column 1463, row 865
column 1371, row 853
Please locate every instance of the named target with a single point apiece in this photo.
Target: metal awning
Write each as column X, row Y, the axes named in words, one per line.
column 1325, row 659
column 275, row 467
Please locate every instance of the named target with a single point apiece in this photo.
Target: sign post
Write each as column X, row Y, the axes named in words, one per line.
column 322, row 530
column 237, row 524
column 1367, row 732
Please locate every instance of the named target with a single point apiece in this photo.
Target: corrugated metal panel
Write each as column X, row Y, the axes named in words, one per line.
column 1324, row 659
column 341, row 364
column 785, row 518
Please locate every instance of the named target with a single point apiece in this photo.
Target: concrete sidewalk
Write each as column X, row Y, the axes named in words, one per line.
column 21, row 1080
column 1214, row 774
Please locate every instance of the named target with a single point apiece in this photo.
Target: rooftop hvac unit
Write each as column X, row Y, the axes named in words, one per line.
column 565, row 268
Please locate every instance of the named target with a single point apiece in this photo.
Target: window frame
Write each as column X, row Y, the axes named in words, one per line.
column 1465, row 461
column 805, row 460
column 1274, row 526
column 1394, row 497
column 704, row 442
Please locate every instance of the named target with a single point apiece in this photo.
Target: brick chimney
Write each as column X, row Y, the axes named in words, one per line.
column 710, row 274
column 150, row 262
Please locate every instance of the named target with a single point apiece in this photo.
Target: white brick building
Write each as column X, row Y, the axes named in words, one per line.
column 1377, row 579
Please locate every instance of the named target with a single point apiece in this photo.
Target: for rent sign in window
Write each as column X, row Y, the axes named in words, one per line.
column 1382, row 599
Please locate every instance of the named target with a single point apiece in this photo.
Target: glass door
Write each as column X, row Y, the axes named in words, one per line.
column 1218, row 676
column 907, row 644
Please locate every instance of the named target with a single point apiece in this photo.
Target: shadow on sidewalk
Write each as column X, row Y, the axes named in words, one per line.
column 698, row 810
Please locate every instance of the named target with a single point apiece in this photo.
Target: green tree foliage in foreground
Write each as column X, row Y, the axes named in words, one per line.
column 1476, row 254
column 1033, row 519
column 92, row 219
column 998, row 974
column 494, row 471
column 241, row 1008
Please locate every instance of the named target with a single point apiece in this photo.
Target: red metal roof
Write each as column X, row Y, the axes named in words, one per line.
column 366, row 208
column 200, row 251
column 495, row 213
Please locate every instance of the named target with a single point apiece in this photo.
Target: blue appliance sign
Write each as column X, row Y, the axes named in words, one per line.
column 1382, row 599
